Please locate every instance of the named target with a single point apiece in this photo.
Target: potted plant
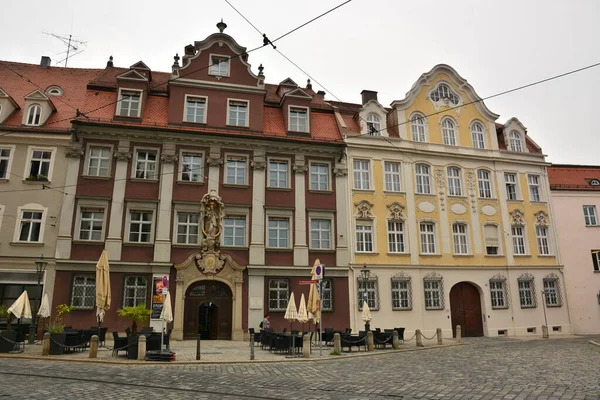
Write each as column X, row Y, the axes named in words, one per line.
column 137, row 314
column 56, row 329
column 8, row 337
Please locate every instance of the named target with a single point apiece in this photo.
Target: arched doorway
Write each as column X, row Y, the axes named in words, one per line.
column 208, row 311
column 465, row 309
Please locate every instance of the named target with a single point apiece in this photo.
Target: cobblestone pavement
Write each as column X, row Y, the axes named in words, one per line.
column 482, row 369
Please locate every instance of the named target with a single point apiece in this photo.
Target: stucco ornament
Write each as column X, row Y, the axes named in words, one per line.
column 209, row 263
column 396, row 212
column 541, row 219
column 517, row 218
column 364, row 210
column 300, row 168
column 212, row 214
column 340, row 171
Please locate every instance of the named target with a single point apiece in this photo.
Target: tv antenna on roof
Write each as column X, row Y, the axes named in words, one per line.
column 72, row 45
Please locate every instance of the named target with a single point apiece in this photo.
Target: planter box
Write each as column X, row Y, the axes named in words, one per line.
column 7, row 344
column 57, row 341
column 132, row 350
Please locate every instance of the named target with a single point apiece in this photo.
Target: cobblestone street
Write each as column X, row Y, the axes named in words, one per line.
column 565, row 368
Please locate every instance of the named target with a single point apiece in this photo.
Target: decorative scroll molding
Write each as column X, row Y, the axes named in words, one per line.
column 364, row 210
column 498, row 278
column 471, row 189
column 214, row 161
column 75, row 151
column 526, row 277
column 300, row 168
column 401, row 276
column 541, row 219
column 441, row 184
column 258, row 165
column 433, row 276
column 340, row 171
column 169, row 158
column 517, row 218
column 123, row 155
column 396, row 212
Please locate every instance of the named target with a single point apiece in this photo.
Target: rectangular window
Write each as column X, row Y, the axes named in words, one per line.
column 188, row 228
column 364, row 238
column 279, row 229
column 84, row 292
column 454, row 182
column 433, row 294
column 498, row 293
column 459, row 236
column 423, row 179
column 140, row 226
column 396, row 237
column 298, row 119
column 278, row 174
column 278, row 294
column 4, row 161
column 31, row 226
column 319, row 176
column 195, row 109
column 192, row 167
column 368, row 290
column 135, row 291
column 492, row 242
column 238, row 113
column 327, row 293
column 40, row 164
column 91, row 222
column 589, row 213
column 392, row 176
column 518, row 238
column 526, row 293
column 552, row 292
column 401, row 294
column 534, row 187
column 543, row 242
column 362, row 174
column 485, row 184
column 235, row 231
column 511, row 186
column 129, row 103
column 596, row 260
column 427, row 231
column 145, row 164
column 219, row 66
column 98, row 161
column 320, row 234
column 236, row 171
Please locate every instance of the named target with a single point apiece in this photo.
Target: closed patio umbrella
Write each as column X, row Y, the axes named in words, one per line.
column 21, row 307
column 44, row 310
column 314, row 298
column 366, row 314
column 102, row 287
column 166, row 316
column 291, row 314
column 302, row 312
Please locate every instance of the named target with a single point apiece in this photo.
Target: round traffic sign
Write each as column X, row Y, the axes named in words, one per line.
column 318, row 270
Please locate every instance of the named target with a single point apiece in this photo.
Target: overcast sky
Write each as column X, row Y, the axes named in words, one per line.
column 381, row 45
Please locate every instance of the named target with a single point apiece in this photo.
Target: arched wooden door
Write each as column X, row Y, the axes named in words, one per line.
column 465, row 308
column 208, row 310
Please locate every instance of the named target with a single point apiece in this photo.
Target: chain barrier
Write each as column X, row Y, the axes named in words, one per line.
column 411, row 338
column 431, row 338
column 387, row 340
column 8, row 340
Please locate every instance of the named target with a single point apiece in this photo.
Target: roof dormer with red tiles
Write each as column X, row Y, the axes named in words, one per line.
column 512, row 136
column 38, row 108
column 7, row 106
column 295, row 105
column 132, row 92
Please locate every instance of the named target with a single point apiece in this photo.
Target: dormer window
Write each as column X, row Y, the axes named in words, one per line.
column 515, row 141
column 195, row 109
column 298, row 119
column 54, row 91
column 129, row 103
column 443, row 92
column 373, row 125
column 34, row 115
column 219, row 66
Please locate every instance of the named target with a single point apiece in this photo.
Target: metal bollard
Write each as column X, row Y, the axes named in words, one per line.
column 46, row 344
column 94, row 346
column 198, row 348
column 251, row 346
column 418, row 338
column 438, row 333
column 458, row 334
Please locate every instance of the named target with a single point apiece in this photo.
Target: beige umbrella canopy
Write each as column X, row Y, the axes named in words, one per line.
column 302, row 313
column 102, row 286
column 291, row 313
column 44, row 310
column 21, row 307
column 314, row 299
column 166, row 315
column 366, row 312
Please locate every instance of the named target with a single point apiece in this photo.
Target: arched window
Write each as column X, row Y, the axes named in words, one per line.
column 423, row 176
column 449, row 132
column 515, row 141
column 485, row 183
column 477, row 135
column 54, row 91
column 454, row 181
column 34, row 115
column 443, row 92
column 417, row 128
column 373, row 125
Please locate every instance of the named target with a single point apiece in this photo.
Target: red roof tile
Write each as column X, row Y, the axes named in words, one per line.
column 573, row 177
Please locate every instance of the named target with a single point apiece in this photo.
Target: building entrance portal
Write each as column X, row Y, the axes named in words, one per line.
column 465, row 309
column 208, row 311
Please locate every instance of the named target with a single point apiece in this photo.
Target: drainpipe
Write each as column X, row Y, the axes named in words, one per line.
column 353, row 297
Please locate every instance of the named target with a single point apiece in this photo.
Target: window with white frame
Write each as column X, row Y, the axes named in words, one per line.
column 423, row 175
column 327, row 298
column 236, row 167
column 368, row 290
column 417, row 128
column 39, row 166
column 401, row 293
column 195, row 109
column 392, row 176
column 135, row 291
column 396, row 241
column 279, row 293
column 34, row 115
column 320, row 234
column 434, row 293
column 454, row 181
column 192, row 167
column 298, row 119
column 238, row 113
column 145, row 164
column 427, row 234
column 498, row 293
column 319, row 176
column 373, row 125
column 543, row 242
column 552, row 294
column 515, row 142
column 30, row 226
column 219, row 66
column 534, row 187
column 518, row 239
column 188, row 228
column 4, row 162
column 484, row 183
column 596, row 260
column 278, row 173
column 279, row 230
column 589, row 213
column 234, row 231
column 98, row 161
column 492, row 241
column 140, row 226
column 449, row 132
column 364, row 238
column 83, row 295
column 362, row 174
column 129, row 103
column 443, row 92
column 477, row 135
column 91, row 221
column 459, row 238
column 527, row 298
column 511, row 186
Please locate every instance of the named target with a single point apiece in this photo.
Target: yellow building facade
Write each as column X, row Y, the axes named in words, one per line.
column 451, row 215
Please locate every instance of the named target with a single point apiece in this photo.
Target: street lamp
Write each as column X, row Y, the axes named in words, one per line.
column 40, row 268
column 365, row 277
column 544, row 331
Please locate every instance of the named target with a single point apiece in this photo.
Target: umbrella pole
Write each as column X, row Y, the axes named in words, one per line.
column 162, row 335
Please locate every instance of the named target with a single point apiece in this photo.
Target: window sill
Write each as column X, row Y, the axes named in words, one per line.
column 193, row 123
column 98, row 177
column 430, row 254
column 277, row 189
column 4, row 180
column 500, row 308
column 183, row 245
column 487, row 199
column 426, row 194
column 554, row 305
column 27, row 244
column 279, row 250
column 587, row 226
column 522, row 255
column 219, row 75
column 320, row 191
column 394, row 192
column 234, row 186
column 462, row 255
column 398, row 254
column 234, row 247
column 238, row 126
column 332, row 251
column 515, row 201
column 193, row 183
column 370, row 253
column 124, row 118
column 540, row 202
column 93, row 242
column 402, row 309
column 457, row 197
column 365, row 190
column 434, row 309
column 136, row 244
column 143, row 180
column 28, row 182
column 494, row 255
column 546, row 255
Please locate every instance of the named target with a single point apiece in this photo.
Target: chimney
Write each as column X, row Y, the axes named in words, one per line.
column 45, row 62
column 321, row 95
column 368, row 95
